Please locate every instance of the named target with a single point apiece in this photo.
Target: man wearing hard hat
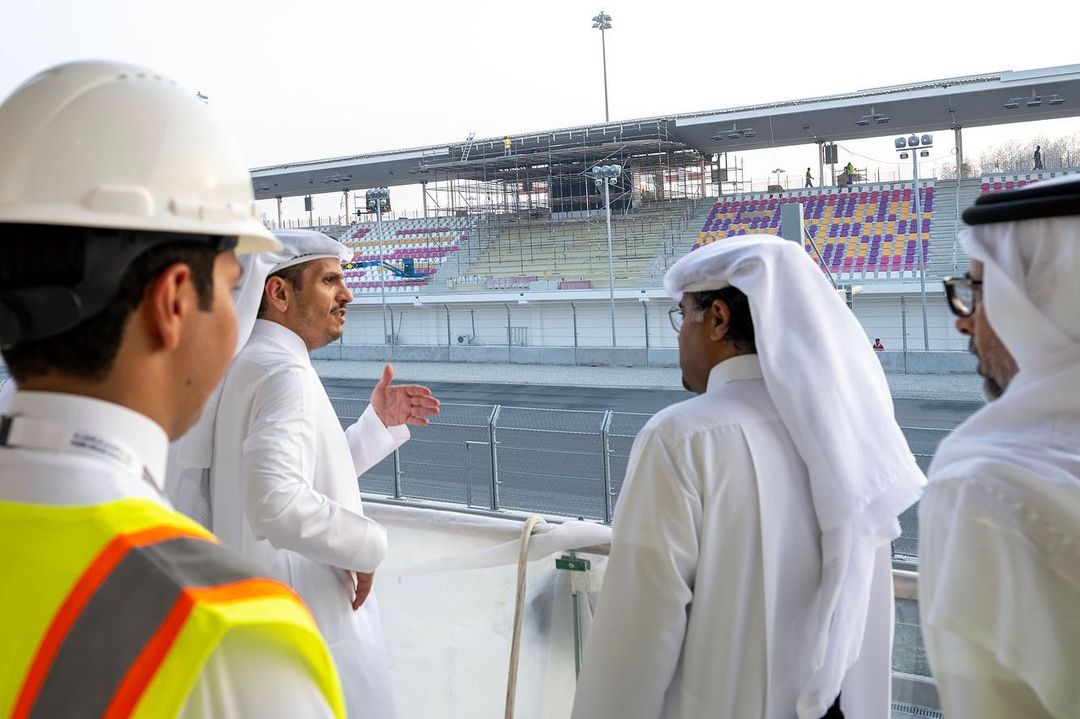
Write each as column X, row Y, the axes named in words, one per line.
column 122, row 207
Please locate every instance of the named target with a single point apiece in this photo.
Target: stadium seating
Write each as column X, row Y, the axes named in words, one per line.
column 867, row 233
column 425, row 242
column 569, row 253
column 1012, row 181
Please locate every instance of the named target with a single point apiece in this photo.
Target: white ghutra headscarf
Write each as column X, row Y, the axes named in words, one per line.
column 830, row 391
column 1023, row 447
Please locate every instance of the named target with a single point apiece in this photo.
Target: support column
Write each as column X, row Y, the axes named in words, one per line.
column 821, row 163
column 348, row 216
column 958, row 134
column 423, row 194
column 280, row 222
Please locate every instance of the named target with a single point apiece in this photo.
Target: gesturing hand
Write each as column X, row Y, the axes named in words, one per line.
column 404, row 403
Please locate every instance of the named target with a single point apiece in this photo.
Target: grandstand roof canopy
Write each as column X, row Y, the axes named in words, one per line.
column 973, row 101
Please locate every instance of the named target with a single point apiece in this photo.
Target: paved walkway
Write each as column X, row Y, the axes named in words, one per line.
column 930, row 387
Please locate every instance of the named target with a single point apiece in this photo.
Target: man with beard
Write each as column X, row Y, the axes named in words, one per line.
column 283, row 479
column 999, row 571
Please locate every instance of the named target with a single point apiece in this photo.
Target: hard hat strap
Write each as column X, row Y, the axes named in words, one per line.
column 35, row 313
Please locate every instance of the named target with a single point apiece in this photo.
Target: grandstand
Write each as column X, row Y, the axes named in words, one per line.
column 524, row 253
column 862, row 231
column 402, row 255
column 512, row 249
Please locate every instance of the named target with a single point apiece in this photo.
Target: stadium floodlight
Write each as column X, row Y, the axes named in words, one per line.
column 1055, row 100
column 1011, row 104
column 379, row 197
column 903, row 145
column 606, row 175
column 602, row 21
column 1034, row 102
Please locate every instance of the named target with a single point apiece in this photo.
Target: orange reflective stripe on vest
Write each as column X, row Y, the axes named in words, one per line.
column 117, row 623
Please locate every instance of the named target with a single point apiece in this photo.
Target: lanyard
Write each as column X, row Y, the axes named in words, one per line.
column 30, row 433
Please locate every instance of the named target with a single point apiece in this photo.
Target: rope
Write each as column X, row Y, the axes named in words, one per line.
column 519, row 613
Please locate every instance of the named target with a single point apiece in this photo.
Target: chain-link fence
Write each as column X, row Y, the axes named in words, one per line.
column 923, row 442
column 565, row 462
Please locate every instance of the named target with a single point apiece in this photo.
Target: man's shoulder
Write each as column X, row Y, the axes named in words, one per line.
column 260, row 362
column 734, row 406
column 259, row 352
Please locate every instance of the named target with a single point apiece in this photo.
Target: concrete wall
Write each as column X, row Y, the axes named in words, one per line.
column 928, row 362
column 893, row 362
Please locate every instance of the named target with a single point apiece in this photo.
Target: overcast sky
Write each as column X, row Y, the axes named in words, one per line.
column 323, row 78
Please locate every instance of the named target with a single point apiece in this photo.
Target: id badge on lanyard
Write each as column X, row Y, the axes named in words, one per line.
column 46, row 435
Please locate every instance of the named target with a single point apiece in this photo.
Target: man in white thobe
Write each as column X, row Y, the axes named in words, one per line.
column 999, row 527
column 284, row 488
column 750, row 570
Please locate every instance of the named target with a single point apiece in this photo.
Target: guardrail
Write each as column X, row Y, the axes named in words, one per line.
column 568, row 463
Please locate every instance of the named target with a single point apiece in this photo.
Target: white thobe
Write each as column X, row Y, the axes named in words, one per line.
column 284, row 492
column 234, row 679
column 999, row 587
column 714, row 570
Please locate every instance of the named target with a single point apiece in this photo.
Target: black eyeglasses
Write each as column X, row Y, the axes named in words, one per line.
column 676, row 315
column 960, row 294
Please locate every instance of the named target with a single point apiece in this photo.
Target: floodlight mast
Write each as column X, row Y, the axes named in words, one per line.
column 602, row 21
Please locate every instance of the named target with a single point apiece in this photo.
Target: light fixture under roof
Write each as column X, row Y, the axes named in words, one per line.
column 735, row 133
column 873, row 117
column 1034, row 100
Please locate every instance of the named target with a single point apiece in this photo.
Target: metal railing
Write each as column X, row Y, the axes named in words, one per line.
column 560, row 462
column 516, row 461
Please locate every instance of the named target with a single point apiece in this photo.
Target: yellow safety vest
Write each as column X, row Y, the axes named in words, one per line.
column 113, row 609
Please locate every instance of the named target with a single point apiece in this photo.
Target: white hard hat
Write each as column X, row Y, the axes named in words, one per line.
column 107, row 145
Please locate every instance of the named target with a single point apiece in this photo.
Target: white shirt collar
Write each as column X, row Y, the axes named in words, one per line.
column 281, row 335
column 139, row 433
column 733, row 369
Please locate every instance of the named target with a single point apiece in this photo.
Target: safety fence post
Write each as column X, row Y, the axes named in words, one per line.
column 605, row 440
column 493, row 442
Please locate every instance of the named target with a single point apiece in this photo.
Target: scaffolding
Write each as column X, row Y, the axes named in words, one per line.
column 526, row 181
